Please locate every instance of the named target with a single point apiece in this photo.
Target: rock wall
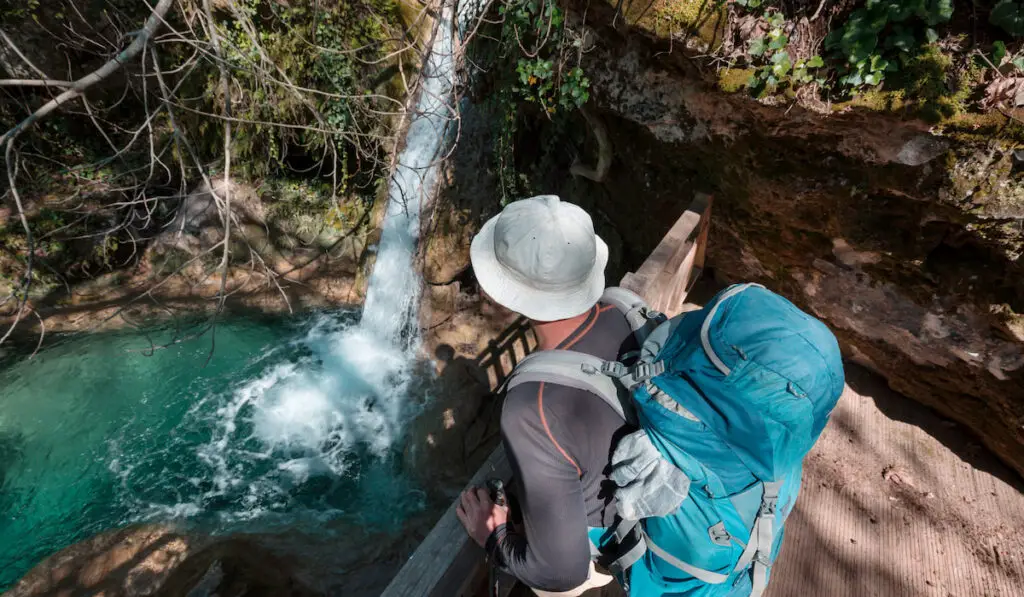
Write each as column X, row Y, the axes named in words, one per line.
column 906, row 242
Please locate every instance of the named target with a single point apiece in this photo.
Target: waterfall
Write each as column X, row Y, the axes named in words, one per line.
column 295, row 423
column 354, row 393
column 392, row 297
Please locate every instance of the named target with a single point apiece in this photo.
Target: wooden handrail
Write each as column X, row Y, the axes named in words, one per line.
column 668, row 274
column 447, row 563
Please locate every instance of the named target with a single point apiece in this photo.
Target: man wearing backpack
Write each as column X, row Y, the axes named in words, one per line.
column 541, row 258
column 670, row 452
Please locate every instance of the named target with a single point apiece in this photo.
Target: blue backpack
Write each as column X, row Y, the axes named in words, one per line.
column 728, row 400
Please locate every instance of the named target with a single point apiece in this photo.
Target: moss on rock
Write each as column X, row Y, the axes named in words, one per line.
column 731, row 80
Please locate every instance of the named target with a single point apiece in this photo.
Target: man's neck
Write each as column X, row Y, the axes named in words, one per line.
column 552, row 333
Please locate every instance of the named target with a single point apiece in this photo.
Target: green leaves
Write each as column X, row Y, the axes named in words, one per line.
column 932, row 12
column 802, row 74
column 874, row 36
column 1009, row 15
column 758, row 47
column 778, row 42
column 543, row 75
column 901, row 39
column 938, row 11
column 998, row 53
column 781, row 64
column 778, row 69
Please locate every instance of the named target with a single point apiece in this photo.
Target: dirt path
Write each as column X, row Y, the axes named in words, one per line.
column 897, row 502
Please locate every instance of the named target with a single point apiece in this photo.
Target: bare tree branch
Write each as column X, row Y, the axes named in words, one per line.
column 112, row 66
column 34, row 83
column 12, row 175
column 225, row 84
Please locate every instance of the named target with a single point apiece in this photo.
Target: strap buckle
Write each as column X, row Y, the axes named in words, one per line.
column 614, row 369
column 769, row 505
column 631, row 377
column 719, row 535
column 644, row 371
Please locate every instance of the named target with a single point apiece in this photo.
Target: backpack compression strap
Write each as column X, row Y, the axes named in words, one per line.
column 762, row 537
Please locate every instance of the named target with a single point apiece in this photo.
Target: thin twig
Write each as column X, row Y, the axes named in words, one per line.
column 817, row 13
column 23, row 57
column 34, row 83
column 12, row 174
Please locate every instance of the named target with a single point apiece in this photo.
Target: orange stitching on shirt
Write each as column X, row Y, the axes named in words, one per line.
column 544, row 421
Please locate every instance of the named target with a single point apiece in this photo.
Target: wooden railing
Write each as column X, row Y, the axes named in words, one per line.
column 448, row 563
column 670, row 271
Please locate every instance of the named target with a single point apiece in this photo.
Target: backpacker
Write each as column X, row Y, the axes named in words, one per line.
column 733, row 396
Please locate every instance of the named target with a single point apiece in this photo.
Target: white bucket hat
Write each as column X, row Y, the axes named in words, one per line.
column 541, row 258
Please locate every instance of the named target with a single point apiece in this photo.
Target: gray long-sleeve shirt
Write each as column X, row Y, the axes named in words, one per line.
column 559, row 441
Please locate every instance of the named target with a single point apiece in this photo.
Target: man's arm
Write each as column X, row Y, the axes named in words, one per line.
column 553, row 553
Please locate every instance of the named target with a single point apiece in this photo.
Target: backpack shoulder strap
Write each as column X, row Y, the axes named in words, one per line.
column 642, row 319
column 575, row 370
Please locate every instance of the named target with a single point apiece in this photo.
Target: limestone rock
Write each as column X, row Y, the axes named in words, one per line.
column 160, row 561
column 907, row 244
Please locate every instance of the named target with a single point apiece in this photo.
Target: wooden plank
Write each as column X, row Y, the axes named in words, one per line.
column 705, row 230
column 667, row 275
column 447, row 563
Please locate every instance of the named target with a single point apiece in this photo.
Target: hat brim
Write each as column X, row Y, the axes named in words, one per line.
column 538, row 305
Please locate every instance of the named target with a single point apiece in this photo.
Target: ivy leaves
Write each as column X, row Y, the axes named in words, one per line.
column 875, row 36
column 779, row 70
column 543, row 75
column 537, row 82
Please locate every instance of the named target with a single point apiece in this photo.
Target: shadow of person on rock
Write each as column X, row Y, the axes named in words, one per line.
column 448, row 440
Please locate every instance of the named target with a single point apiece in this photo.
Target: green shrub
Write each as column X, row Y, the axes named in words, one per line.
column 875, row 37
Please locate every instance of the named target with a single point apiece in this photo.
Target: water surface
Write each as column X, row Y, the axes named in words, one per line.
column 291, row 423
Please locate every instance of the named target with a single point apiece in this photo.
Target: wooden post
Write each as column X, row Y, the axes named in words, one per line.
column 668, row 274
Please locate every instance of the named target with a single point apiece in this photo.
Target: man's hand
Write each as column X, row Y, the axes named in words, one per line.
column 479, row 514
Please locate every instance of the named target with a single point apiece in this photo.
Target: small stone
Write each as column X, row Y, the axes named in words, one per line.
column 921, row 149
